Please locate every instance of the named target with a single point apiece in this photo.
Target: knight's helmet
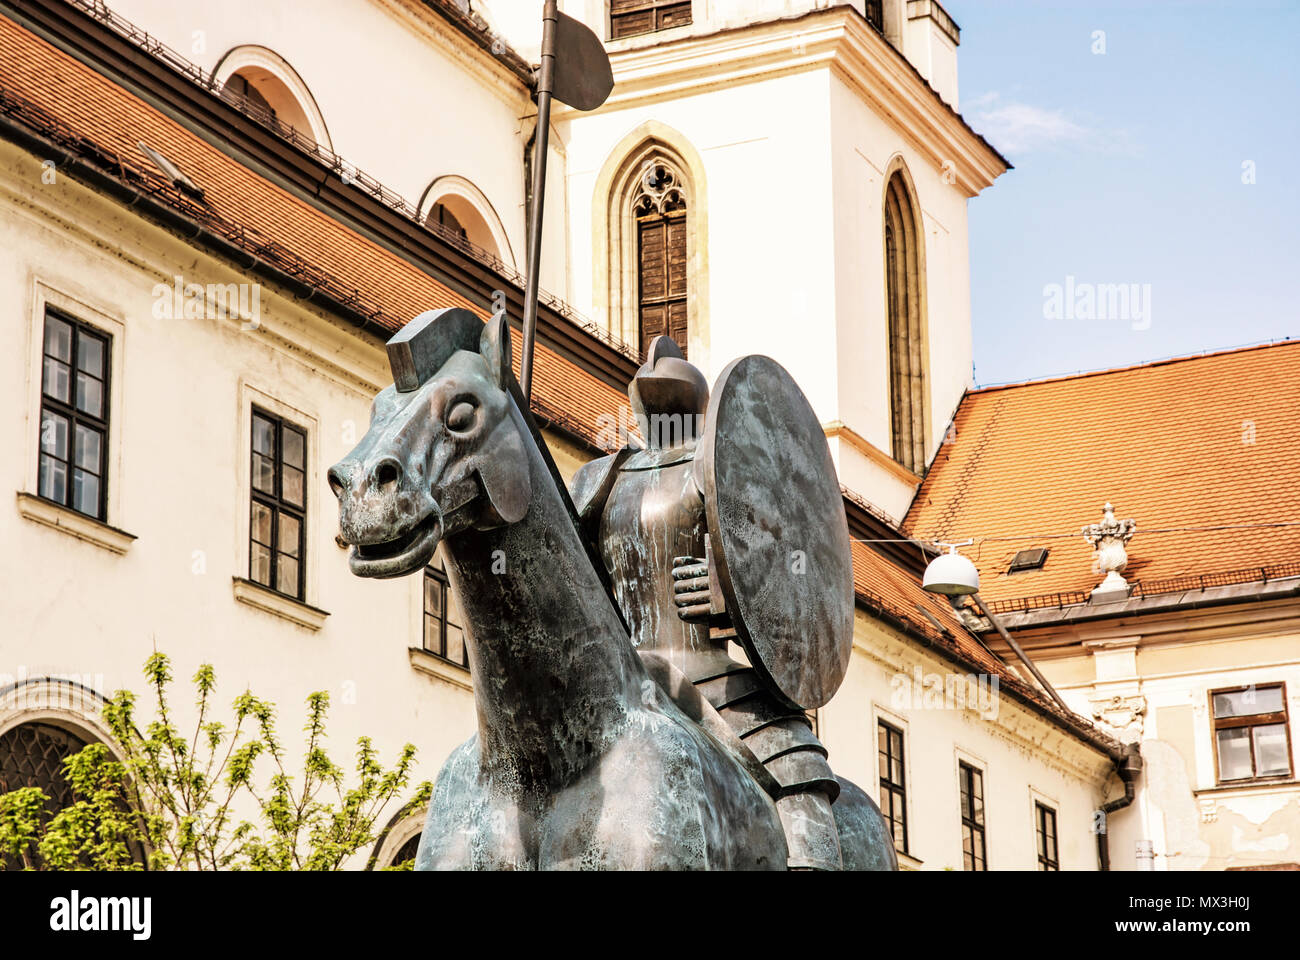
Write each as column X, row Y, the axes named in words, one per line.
column 668, row 395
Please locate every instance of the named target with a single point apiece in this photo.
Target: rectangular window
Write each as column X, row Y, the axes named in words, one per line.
column 972, row 817
column 661, row 246
column 443, row 634
column 875, row 14
column 1252, row 738
column 893, row 787
column 277, row 532
column 74, row 414
column 630, row 17
column 1045, row 826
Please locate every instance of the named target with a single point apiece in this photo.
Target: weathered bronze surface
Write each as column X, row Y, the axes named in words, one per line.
column 777, row 531
column 595, row 748
column 581, row 760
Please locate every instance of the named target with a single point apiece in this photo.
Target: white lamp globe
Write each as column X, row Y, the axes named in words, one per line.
column 952, row 575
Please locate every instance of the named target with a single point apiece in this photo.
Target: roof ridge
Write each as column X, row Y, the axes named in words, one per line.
column 1140, row 365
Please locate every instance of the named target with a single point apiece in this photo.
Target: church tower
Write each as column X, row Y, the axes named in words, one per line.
column 787, row 178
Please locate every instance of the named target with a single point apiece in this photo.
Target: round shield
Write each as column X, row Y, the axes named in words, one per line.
column 777, row 532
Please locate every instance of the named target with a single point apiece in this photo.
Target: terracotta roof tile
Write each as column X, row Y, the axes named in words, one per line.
column 1204, row 441
column 115, row 121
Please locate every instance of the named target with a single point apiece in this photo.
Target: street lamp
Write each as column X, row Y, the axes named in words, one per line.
column 953, row 575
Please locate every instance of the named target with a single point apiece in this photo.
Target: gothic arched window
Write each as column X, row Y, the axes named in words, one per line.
column 906, row 335
column 659, row 211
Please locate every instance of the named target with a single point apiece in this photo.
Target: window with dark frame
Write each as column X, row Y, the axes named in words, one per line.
column 32, row 754
column 444, row 633
column 628, row 18
column 973, row 850
column 874, row 10
column 74, row 414
column 277, row 530
column 1045, row 827
column 659, row 209
column 893, row 786
column 1252, row 736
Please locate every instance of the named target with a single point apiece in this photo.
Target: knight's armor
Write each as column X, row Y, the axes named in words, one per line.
column 646, row 515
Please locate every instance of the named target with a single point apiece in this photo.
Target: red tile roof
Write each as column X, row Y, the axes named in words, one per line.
column 1196, row 442
column 115, row 121
column 110, row 120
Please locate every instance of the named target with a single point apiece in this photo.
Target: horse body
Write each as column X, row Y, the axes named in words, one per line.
column 581, row 760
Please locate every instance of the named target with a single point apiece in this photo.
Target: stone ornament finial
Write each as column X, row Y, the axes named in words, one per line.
column 1108, row 539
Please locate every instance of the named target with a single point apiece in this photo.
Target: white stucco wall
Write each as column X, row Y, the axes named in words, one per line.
column 1022, row 757
column 76, row 608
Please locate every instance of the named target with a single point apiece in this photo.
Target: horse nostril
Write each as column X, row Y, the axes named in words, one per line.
column 335, row 481
column 387, row 472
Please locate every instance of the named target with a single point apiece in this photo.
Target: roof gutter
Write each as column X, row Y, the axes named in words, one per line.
column 1128, row 764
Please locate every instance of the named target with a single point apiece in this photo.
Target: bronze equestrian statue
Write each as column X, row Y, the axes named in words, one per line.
column 614, row 729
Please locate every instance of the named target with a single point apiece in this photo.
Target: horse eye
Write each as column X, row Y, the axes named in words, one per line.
column 461, row 416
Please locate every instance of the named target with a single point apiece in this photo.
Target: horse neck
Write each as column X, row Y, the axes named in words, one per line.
column 553, row 668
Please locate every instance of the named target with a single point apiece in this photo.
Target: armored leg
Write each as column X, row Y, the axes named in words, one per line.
column 783, row 740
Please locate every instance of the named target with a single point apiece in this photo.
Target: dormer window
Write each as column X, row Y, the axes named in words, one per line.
column 628, row 18
column 1031, row 559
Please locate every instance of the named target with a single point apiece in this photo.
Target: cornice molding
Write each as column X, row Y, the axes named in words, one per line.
column 510, row 80
column 75, row 524
column 1250, row 619
column 837, row 429
column 897, row 654
column 268, row 600
column 838, row 39
column 425, row 662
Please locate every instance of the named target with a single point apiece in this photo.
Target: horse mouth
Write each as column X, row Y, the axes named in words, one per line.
column 401, row 555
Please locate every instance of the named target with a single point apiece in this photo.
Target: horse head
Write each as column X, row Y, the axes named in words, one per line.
column 444, row 452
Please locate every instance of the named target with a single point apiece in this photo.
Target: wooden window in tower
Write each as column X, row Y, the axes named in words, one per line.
column 659, row 210
column 627, row 18
column 903, row 308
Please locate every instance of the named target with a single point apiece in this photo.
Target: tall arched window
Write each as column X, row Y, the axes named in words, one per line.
column 659, row 211
column 650, row 241
column 906, row 326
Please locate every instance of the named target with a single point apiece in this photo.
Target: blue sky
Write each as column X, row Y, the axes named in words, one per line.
column 1129, row 170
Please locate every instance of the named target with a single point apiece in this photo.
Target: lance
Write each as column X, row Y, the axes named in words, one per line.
column 574, row 69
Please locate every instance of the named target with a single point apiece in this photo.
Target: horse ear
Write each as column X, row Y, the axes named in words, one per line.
column 494, row 344
column 509, row 489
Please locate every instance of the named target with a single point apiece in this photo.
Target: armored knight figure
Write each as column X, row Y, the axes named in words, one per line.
column 644, row 509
